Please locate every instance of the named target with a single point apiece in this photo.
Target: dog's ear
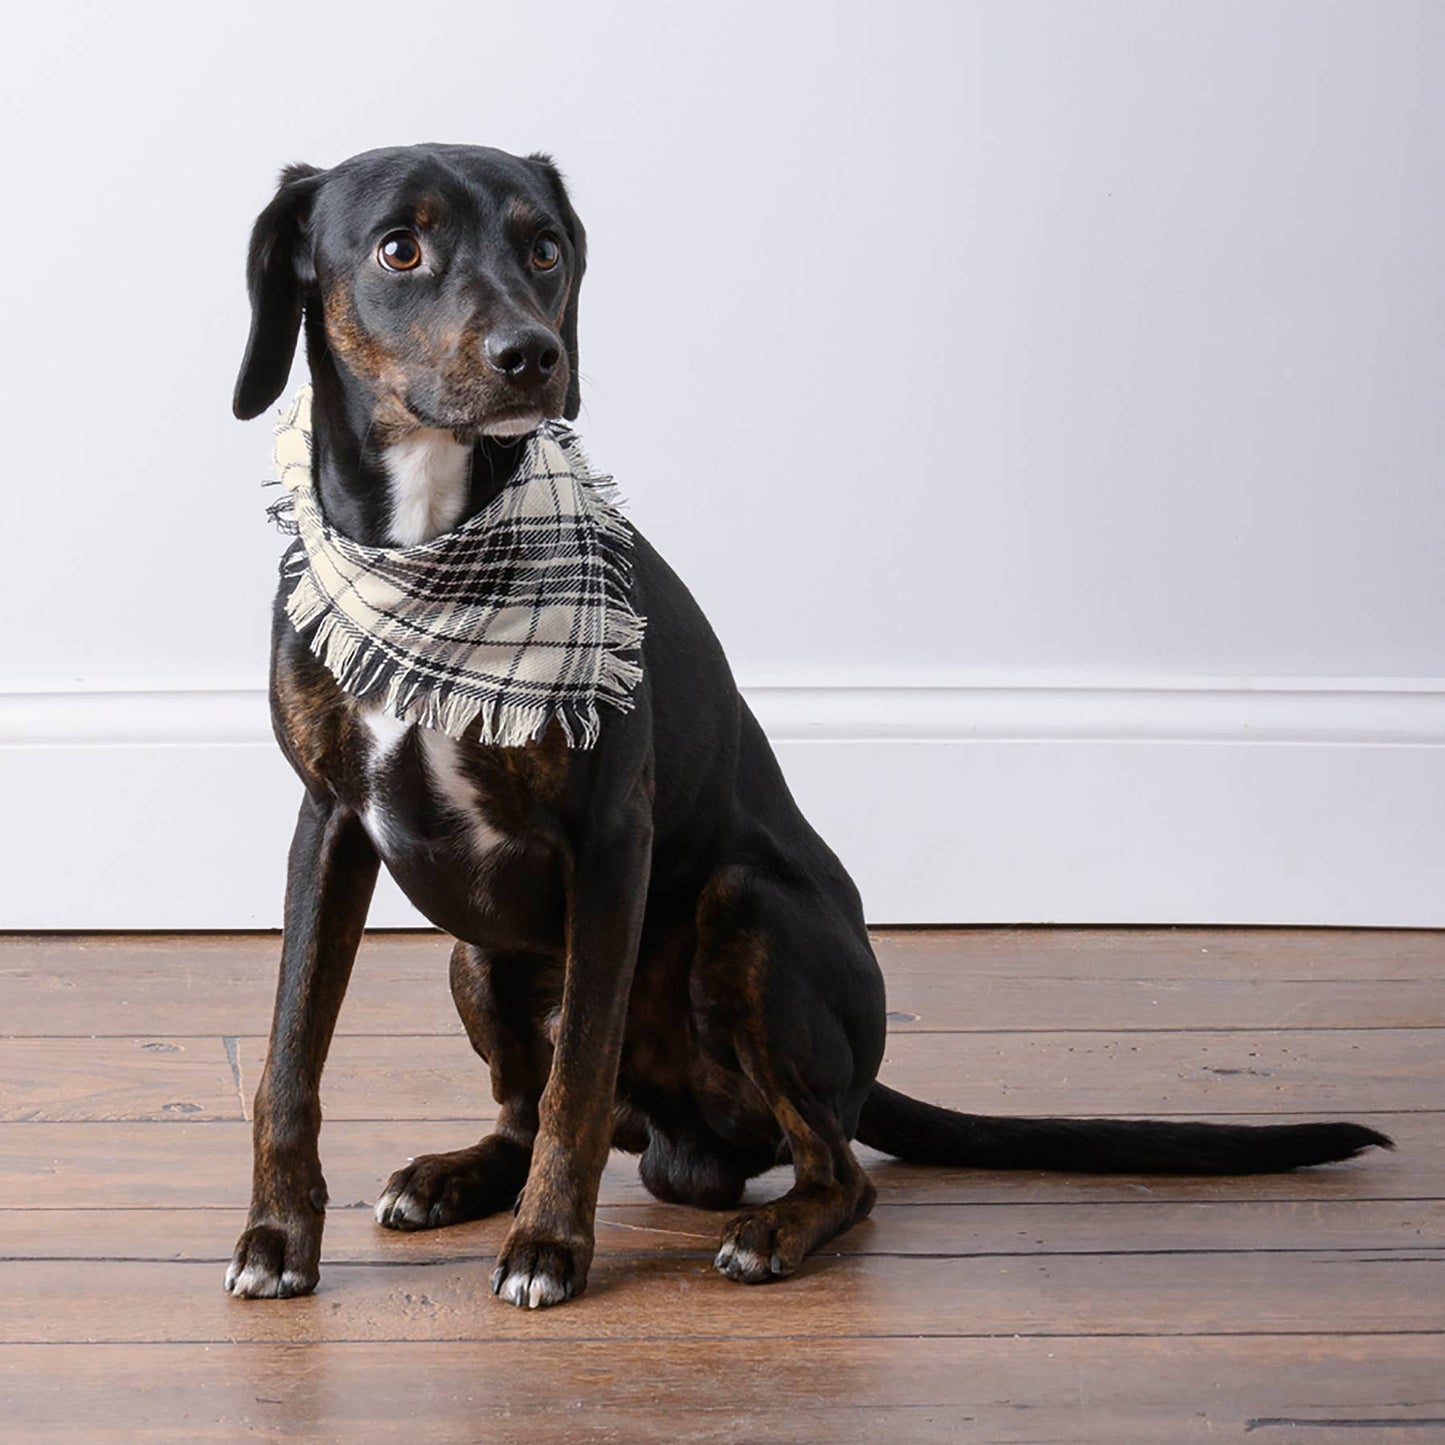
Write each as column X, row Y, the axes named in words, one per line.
column 277, row 267
column 578, row 236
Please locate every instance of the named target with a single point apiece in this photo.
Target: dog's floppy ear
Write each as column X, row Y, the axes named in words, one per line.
column 578, row 236
column 275, row 273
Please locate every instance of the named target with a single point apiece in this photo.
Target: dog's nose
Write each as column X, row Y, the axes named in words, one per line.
column 523, row 353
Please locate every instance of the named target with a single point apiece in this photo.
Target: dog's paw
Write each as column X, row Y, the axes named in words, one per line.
column 534, row 1273
column 439, row 1189
column 756, row 1248
column 272, row 1262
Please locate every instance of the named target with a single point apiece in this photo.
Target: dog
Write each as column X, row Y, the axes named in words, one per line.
column 655, row 951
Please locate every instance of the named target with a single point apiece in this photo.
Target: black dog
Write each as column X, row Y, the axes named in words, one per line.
column 656, row 952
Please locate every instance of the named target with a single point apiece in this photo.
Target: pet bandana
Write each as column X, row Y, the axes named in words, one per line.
column 517, row 618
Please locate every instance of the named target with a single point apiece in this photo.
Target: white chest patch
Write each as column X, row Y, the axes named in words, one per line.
column 386, row 735
column 457, row 791
column 430, row 471
column 450, row 785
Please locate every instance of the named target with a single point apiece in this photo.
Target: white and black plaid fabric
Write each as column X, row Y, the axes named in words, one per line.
column 519, row 617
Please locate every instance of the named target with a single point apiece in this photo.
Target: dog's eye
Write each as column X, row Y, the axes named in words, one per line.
column 399, row 251
column 545, row 253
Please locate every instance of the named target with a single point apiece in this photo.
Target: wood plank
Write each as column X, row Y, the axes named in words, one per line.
column 1173, row 978
column 1328, row 1072
column 1338, row 1072
column 209, row 1166
column 682, row 1297
column 1139, row 1226
column 173, row 985
column 1092, row 954
column 965, row 979
column 1027, row 1391
column 49, row 1080
column 970, row 1003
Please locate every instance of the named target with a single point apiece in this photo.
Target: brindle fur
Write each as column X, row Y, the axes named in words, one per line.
column 662, row 955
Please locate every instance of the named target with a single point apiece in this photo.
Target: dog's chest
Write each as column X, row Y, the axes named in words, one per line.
column 470, row 834
column 420, row 790
column 418, row 781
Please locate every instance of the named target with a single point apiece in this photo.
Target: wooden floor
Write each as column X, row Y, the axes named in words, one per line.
column 970, row 1307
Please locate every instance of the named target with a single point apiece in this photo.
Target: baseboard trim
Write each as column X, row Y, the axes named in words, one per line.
column 1323, row 710
column 1309, row 801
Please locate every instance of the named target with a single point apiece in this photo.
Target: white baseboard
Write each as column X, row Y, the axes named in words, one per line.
column 1299, row 801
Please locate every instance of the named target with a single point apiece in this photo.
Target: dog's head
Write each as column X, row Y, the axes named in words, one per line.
column 443, row 278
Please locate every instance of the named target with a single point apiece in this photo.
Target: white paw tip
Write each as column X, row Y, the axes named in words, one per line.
column 252, row 1284
column 737, row 1261
column 392, row 1208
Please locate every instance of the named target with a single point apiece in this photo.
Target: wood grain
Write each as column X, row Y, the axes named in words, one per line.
column 90, row 1079
column 962, row 979
column 1135, row 1391
column 1173, row 1226
column 683, row 1297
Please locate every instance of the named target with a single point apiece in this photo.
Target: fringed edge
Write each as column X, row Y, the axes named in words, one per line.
column 282, row 512
column 601, row 487
column 619, row 675
column 364, row 670
column 623, row 631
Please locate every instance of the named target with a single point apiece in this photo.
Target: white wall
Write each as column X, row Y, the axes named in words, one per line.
column 1056, row 381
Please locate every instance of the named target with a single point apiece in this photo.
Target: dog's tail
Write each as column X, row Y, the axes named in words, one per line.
column 926, row 1134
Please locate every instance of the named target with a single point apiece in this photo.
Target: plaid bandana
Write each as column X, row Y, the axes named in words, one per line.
column 518, row 617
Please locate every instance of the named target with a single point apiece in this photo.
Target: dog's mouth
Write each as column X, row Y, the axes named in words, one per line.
column 503, row 423
column 513, row 423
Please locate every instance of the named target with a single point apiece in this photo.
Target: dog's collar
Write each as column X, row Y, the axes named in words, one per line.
column 518, row 618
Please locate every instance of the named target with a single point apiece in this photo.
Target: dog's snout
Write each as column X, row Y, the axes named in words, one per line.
column 523, row 353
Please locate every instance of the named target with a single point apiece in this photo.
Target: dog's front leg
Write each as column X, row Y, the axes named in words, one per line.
column 548, row 1250
column 330, row 877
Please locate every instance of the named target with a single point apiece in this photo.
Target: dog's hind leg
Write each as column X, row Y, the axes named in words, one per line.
column 830, row 1193
column 793, row 994
column 502, row 998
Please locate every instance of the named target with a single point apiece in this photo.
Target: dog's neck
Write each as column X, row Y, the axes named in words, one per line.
column 383, row 488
